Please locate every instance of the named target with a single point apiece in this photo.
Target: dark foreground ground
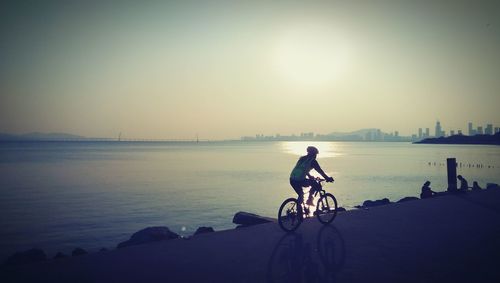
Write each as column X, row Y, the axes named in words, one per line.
column 453, row 238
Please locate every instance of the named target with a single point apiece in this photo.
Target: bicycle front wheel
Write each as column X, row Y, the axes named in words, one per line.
column 289, row 216
column 326, row 209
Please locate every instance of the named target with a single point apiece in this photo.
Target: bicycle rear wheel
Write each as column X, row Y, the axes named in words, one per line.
column 289, row 216
column 326, row 209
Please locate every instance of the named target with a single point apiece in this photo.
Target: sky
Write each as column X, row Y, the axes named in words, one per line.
column 226, row 69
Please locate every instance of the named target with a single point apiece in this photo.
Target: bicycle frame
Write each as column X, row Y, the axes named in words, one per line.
column 305, row 207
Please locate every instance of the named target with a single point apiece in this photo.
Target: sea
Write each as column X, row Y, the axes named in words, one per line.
column 57, row 196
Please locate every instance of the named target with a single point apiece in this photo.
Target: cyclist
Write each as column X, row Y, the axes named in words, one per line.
column 301, row 170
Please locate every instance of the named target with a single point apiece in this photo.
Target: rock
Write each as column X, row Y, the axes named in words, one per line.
column 150, row 234
column 407, row 199
column 29, row 256
column 60, row 255
column 248, row 219
column 491, row 186
column 339, row 209
column 372, row 203
column 78, row 251
column 202, row 230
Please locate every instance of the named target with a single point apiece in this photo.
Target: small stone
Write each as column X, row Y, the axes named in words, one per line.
column 407, row 199
column 29, row 256
column 203, row 230
column 245, row 218
column 372, row 203
column 150, row 234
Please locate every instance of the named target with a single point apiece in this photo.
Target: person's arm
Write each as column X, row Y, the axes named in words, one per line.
column 316, row 167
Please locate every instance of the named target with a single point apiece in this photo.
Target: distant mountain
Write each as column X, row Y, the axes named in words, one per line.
column 462, row 139
column 39, row 136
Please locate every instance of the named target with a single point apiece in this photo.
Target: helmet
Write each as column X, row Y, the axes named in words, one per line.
column 312, row 150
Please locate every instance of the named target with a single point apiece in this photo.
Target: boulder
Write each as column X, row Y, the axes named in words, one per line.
column 60, row 255
column 339, row 209
column 248, row 219
column 78, row 251
column 372, row 203
column 202, row 230
column 407, row 199
column 150, row 234
column 29, row 256
column 490, row 186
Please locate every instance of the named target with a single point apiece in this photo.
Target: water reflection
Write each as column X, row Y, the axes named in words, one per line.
column 326, row 149
column 295, row 259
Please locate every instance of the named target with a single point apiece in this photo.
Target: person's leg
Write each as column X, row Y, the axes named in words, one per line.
column 314, row 188
column 297, row 187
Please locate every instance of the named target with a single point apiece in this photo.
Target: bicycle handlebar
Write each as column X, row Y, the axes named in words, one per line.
column 318, row 179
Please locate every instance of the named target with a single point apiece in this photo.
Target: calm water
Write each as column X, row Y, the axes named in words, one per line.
column 57, row 196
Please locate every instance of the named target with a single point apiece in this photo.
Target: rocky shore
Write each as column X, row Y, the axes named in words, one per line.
column 450, row 238
column 489, row 199
column 162, row 233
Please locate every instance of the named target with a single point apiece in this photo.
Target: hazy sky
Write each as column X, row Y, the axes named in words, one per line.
column 224, row 69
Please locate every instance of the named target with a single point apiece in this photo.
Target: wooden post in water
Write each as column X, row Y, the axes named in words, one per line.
column 452, row 174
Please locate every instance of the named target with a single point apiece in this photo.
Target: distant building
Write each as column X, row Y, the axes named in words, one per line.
column 471, row 130
column 427, row 132
column 452, row 132
column 489, row 129
column 438, row 131
column 479, row 130
column 497, row 130
column 396, row 133
column 419, row 133
column 369, row 136
column 459, row 132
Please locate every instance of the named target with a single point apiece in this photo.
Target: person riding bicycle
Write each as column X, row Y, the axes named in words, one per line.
column 301, row 170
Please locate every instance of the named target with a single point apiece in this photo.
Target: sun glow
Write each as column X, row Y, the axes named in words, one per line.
column 311, row 56
column 326, row 149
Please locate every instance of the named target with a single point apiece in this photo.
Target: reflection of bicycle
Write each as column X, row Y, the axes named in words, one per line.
column 292, row 213
column 295, row 259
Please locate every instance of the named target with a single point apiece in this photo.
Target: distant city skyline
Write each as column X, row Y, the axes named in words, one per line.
column 376, row 134
column 226, row 69
column 373, row 134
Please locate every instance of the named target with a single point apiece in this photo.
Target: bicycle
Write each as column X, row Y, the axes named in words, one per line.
column 291, row 213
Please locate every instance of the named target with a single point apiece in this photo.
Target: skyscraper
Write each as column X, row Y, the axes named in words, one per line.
column 480, row 130
column 471, row 130
column 419, row 133
column 427, row 132
column 438, row 132
column 489, row 129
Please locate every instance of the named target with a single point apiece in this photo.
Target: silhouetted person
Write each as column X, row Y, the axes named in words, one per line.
column 300, row 176
column 427, row 192
column 464, row 186
column 476, row 187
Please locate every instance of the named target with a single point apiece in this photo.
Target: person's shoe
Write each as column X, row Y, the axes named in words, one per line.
column 310, row 202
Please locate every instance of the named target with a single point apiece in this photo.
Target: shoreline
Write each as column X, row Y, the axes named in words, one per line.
column 431, row 240
column 367, row 204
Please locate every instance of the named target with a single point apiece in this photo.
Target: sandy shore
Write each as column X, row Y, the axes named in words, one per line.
column 453, row 238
